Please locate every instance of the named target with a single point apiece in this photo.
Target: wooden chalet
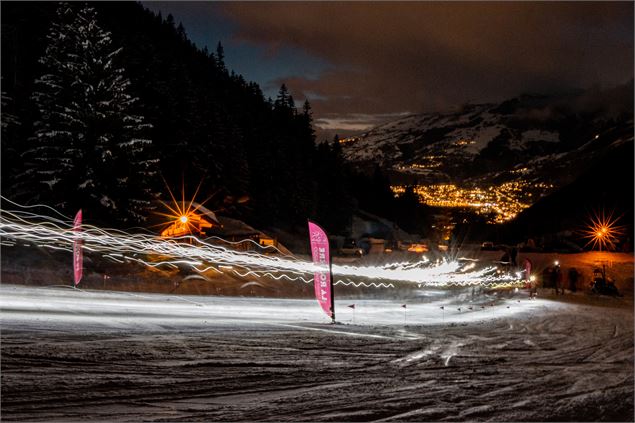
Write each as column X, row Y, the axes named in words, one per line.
column 199, row 221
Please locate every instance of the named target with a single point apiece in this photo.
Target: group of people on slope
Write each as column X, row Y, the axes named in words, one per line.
column 552, row 277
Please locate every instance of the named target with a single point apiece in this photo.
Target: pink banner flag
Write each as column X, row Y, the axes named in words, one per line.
column 527, row 269
column 322, row 277
column 77, row 248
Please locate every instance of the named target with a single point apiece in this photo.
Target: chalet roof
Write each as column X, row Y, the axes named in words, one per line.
column 239, row 229
column 234, row 227
column 204, row 211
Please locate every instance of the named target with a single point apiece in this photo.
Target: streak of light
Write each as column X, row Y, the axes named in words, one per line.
column 188, row 251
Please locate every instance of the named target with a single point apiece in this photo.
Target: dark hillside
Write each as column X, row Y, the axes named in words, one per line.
column 606, row 185
column 209, row 125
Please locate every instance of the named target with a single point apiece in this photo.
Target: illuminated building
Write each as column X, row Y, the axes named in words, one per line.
column 196, row 219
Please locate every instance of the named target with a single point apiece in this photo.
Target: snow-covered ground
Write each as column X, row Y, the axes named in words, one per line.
column 63, row 305
column 78, row 355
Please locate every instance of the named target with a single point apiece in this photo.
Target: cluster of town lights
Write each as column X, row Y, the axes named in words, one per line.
column 503, row 202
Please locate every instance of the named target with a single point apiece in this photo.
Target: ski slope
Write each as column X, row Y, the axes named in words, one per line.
column 75, row 355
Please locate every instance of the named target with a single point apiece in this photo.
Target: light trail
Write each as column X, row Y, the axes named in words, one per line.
column 201, row 256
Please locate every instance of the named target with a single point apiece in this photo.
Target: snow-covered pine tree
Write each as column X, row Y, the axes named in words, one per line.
column 89, row 147
column 9, row 123
column 123, row 166
column 51, row 155
column 7, row 119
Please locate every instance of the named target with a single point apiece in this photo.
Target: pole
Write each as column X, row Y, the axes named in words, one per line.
column 332, row 286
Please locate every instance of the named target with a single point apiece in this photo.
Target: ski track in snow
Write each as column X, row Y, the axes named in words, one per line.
column 73, row 356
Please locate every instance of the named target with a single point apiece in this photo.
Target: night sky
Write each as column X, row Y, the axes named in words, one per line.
column 360, row 63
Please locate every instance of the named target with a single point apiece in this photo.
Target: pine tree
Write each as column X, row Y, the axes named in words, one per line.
column 170, row 20
column 220, row 55
column 180, row 30
column 284, row 109
column 51, row 154
column 89, row 148
column 306, row 132
column 7, row 119
column 9, row 123
column 306, row 110
column 282, row 100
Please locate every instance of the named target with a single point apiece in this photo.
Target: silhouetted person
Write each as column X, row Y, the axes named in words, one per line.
column 556, row 278
column 546, row 277
column 573, row 279
column 512, row 255
column 553, row 279
column 533, row 290
column 530, row 284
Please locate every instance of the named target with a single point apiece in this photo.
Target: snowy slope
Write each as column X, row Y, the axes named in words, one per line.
column 521, row 139
column 76, row 356
column 464, row 132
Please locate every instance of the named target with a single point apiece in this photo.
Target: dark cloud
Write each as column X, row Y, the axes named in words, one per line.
column 390, row 57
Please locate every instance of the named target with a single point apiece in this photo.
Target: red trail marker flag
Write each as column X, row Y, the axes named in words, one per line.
column 78, row 259
column 323, row 281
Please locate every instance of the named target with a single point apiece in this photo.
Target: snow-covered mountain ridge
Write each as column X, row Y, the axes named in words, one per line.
column 520, row 149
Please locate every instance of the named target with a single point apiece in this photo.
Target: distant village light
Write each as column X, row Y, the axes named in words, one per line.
column 504, row 201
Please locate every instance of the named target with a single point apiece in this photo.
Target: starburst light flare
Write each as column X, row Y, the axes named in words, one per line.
column 603, row 231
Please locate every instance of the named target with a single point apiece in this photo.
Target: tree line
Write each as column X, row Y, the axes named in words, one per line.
column 106, row 106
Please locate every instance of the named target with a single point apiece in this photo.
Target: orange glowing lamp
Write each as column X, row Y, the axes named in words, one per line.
column 603, row 231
